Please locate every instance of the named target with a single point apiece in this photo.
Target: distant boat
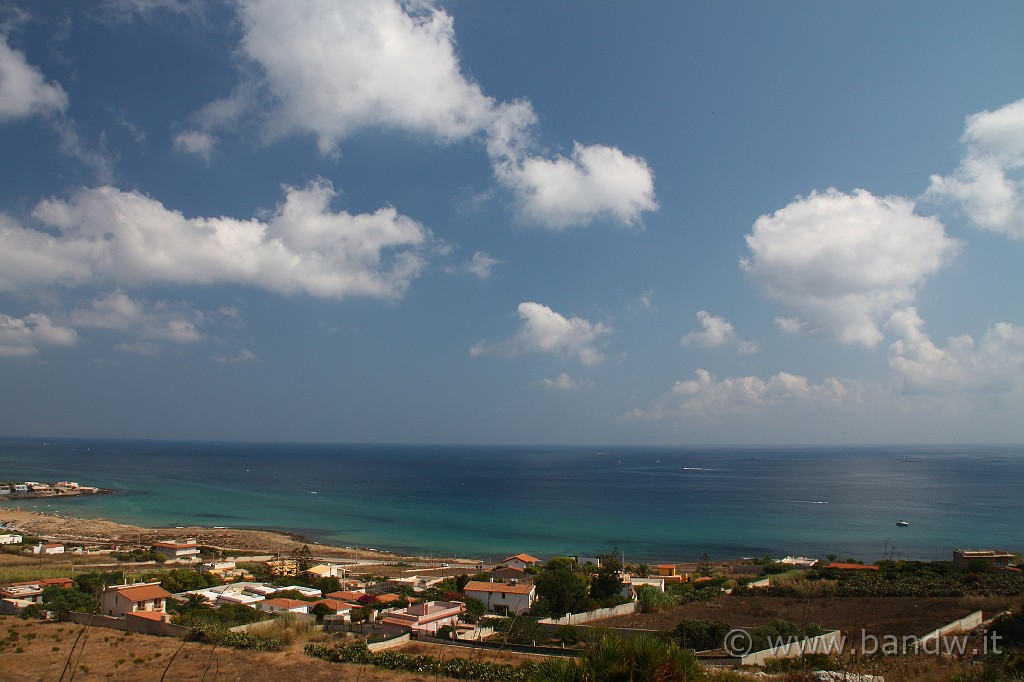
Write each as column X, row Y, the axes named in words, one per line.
column 902, row 523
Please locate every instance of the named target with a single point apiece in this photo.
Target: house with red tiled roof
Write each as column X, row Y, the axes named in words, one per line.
column 189, row 549
column 520, row 561
column 338, row 608
column 427, row 617
column 282, row 605
column 502, row 597
column 119, row 600
column 351, row 596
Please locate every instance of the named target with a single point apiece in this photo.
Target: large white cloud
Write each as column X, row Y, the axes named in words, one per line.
column 547, row 331
column 845, row 262
column 23, row 89
column 334, row 68
column 24, row 335
column 988, row 184
column 995, row 363
column 107, row 235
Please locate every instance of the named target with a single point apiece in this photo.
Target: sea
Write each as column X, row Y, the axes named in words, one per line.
column 652, row 504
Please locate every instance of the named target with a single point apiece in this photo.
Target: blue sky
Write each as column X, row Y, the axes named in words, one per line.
column 529, row 222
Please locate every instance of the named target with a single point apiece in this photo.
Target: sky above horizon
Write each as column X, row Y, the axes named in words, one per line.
column 528, row 222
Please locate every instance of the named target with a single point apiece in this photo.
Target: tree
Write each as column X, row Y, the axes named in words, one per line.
column 561, row 587
column 606, row 582
column 320, row 610
column 704, row 565
column 303, row 559
column 474, row 609
column 64, row 600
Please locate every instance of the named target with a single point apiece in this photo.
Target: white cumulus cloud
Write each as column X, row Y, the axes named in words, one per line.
column 988, row 184
column 547, row 331
column 708, row 396
column 595, row 181
column 23, row 88
column 481, row 265
column 24, row 335
column 108, row 235
column 715, row 331
column 995, row 363
column 195, row 142
column 845, row 262
column 332, row 69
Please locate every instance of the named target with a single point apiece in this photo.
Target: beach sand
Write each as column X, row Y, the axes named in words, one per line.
column 86, row 531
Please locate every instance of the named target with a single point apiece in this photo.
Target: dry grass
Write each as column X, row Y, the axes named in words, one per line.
column 32, row 651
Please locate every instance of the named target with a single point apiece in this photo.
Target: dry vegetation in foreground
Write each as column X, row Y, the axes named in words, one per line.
column 40, row 651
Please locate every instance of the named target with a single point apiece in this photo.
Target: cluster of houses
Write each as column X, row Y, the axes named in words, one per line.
column 37, row 489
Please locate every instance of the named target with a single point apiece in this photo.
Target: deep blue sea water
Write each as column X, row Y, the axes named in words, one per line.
column 492, row 501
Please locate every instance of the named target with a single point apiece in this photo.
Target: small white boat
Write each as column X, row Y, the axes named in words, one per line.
column 901, row 523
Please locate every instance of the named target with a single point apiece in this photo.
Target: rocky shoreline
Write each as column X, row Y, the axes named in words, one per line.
column 104, row 531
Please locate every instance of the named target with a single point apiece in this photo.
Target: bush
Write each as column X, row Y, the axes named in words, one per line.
column 522, row 630
column 700, row 635
column 652, row 600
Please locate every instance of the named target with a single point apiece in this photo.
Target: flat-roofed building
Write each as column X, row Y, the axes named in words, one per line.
column 170, row 549
column 993, row 557
column 427, row 617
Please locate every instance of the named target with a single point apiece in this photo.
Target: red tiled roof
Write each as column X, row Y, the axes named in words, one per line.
column 525, row 558
column 480, row 586
column 287, row 603
column 335, row 605
column 346, row 595
column 144, row 592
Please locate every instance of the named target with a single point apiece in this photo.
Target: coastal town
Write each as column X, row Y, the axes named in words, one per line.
column 820, row 617
column 10, row 490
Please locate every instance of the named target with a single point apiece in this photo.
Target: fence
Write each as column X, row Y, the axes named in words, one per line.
column 140, row 625
column 966, row 623
column 586, row 617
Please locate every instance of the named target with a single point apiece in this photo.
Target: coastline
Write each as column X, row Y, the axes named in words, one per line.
column 104, row 531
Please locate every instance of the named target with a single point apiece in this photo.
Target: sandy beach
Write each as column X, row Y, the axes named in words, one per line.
column 71, row 529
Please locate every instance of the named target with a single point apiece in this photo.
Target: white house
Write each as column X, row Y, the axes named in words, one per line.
column 51, row 548
column 10, row 539
column 427, row 617
column 502, row 597
column 520, row 561
column 188, row 549
column 309, row 592
column 281, row 605
column 328, row 571
column 120, row 600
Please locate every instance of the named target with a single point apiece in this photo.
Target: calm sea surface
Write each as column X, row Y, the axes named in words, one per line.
column 492, row 501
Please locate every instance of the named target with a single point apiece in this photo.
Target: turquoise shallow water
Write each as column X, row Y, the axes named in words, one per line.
column 485, row 501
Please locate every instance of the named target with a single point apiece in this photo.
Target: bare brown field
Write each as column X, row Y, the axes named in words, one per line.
column 878, row 616
column 31, row 650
